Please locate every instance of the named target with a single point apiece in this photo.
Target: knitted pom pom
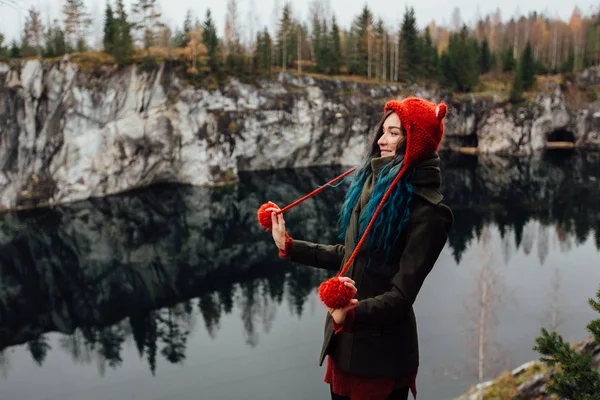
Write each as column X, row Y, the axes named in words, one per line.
column 264, row 217
column 335, row 294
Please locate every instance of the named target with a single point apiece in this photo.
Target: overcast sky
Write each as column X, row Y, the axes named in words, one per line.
column 12, row 17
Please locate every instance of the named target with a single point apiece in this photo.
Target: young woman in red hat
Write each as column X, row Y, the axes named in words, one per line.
column 395, row 226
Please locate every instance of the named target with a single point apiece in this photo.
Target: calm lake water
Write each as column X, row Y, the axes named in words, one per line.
column 176, row 293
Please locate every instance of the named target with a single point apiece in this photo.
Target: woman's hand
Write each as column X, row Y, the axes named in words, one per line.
column 339, row 314
column 278, row 229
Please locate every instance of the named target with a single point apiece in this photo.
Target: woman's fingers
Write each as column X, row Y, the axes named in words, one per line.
column 347, row 280
column 353, row 304
column 274, row 220
column 350, row 285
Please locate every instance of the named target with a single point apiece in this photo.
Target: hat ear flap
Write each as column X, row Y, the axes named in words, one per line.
column 408, row 148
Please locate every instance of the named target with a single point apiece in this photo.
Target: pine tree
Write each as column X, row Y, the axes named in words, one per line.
column 361, row 31
column 286, row 38
column 508, row 61
column 485, row 57
column 56, row 44
column 410, row 53
column 516, row 91
column 430, row 57
column 262, row 56
column 3, row 50
column 211, row 41
column 123, row 47
column 15, row 50
column 574, row 374
column 322, row 46
column 527, row 67
column 336, row 48
column 459, row 65
column 109, row 30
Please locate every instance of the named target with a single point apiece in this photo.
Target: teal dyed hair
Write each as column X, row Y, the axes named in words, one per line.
column 393, row 214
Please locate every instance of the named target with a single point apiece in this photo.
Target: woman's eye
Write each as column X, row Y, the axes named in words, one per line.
column 395, row 133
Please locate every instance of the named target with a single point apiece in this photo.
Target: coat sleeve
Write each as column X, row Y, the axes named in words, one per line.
column 425, row 241
column 317, row 255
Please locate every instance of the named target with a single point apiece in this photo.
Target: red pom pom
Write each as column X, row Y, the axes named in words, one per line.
column 335, row 294
column 264, row 217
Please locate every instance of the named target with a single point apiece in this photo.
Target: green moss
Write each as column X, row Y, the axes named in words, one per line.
column 503, row 388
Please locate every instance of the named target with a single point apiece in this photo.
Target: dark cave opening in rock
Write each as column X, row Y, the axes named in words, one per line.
column 560, row 138
column 466, row 141
column 561, row 135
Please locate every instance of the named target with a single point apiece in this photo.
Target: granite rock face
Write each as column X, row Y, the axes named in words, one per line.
column 68, row 135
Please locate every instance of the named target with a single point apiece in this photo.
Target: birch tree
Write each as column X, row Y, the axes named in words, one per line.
column 33, row 34
column 482, row 304
column 146, row 16
column 76, row 20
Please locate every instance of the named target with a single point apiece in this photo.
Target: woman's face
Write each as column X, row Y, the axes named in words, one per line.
column 393, row 136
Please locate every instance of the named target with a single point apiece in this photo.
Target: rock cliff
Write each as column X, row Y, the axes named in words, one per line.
column 68, row 135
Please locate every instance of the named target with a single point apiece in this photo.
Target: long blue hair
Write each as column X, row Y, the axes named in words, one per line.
column 395, row 211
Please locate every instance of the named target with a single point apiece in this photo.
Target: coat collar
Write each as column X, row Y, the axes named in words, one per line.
column 427, row 178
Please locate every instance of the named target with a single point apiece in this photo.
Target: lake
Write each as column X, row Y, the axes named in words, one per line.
column 176, row 292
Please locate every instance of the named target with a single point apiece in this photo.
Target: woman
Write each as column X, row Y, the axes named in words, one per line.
column 372, row 343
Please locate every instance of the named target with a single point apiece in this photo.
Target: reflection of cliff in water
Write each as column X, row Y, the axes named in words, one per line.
column 151, row 257
column 526, row 197
column 137, row 265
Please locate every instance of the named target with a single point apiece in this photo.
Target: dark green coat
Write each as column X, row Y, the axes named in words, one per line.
column 383, row 341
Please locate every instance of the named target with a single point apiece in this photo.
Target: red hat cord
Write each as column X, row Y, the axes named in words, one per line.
column 424, row 135
column 264, row 217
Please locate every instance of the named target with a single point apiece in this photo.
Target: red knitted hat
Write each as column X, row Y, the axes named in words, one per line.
column 424, row 125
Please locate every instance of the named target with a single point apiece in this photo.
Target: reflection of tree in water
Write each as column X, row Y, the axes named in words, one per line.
column 76, row 345
column 300, row 285
column 554, row 317
column 38, row 348
column 543, row 243
column 135, row 266
column 174, row 336
column 487, row 295
column 248, row 307
column 258, row 305
column 210, row 307
column 4, row 362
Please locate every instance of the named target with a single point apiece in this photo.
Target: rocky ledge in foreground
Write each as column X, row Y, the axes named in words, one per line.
column 528, row 381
